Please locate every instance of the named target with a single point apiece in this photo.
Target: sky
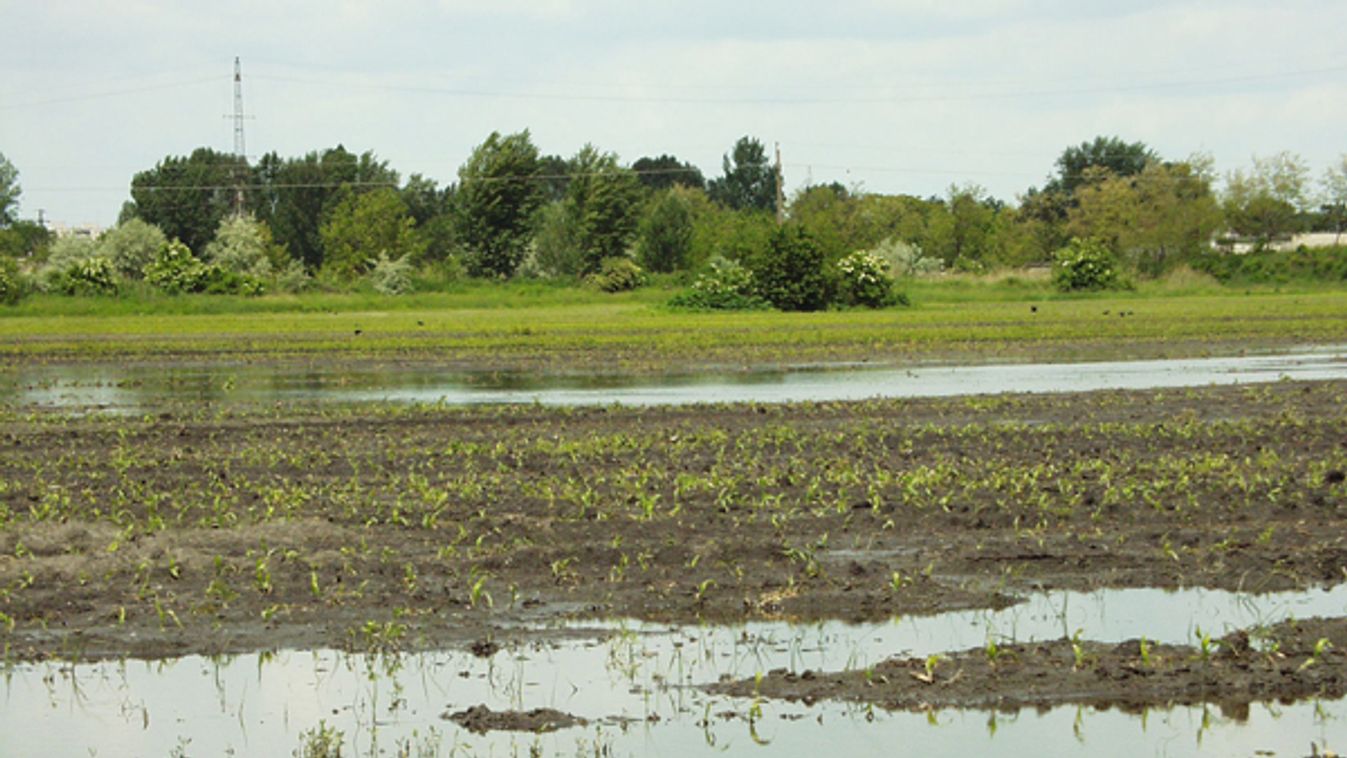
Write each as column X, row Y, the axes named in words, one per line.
column 906, row 96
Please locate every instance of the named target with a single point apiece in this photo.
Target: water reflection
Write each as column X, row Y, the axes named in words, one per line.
column 636, row 685
column 141, row 388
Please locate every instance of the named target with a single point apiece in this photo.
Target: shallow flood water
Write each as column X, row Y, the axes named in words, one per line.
column 142, row 388
column 636, row 685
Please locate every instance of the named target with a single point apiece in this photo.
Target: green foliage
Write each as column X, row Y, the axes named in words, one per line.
column 863, row 279
column 391, row 276
column 1085, row 265
column 1266, row 202
column 749, row 181
column 904, row 259
column 495, row 204
column 963, row 232
column 617, row 275
column 131, row 245
column 87, row 276
column 792, row 272
column 187, row 197
column 322, row 741
column 24, row 239
column 666, row 172
column 364, row 226
column 736, row 235
column 726, row 285
column 295, row 196
column 555, row 250
column 243, row 246
column 665, row 233
column 1276, row 267
column 12, row 287
column 1111, row 155
column 9, row 191
column 602, row 200
column 176, row 271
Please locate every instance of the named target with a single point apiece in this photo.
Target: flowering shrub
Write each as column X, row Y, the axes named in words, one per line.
column 1085, row 265
column 391, row 276
column 617, row 275
column 863, row 279
column 88, row 276
column 725, row 286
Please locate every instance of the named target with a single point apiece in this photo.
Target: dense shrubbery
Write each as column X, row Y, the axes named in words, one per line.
column 793, row 273
column 391, row 276
column 87, row 276
column 617, row 275
column 11, row 284
column 1321, row 265
column 1085, row 265
column 725, row 285
column 176, row 271
column 863, row 279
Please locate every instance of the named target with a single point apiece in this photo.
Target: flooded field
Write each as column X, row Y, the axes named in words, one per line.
column 639, row 689
column 146, row 388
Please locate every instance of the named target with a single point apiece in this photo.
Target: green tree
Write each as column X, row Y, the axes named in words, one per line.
column 792, row 272
column 603, row 199
column 1335, row 195
column 24, row 239
column 749, row 181
column 1113, row 154
column 497, row 199
column 9, row 192
column 294, row 196
column 962, row 231
column 363, row 227
column 186, row 197
column 666, row 171
column 243, row 246
column 665, row 233
column 131, row 245
column 1267, row 202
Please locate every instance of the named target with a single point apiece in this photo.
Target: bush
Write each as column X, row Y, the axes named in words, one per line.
column 241, row 247
column 726, row 286
column 905, row 258
column 89, row 276
column 391, row 276
column 11, row 284
column 863, row 279
column 176, row 271
column 1085, row 265
column 131, row 246
column 1276, row 267
column 617, row 275
column 792, row 273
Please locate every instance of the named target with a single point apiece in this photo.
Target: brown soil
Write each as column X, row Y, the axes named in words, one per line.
column 481, row 719
column 401, row 528
column 1286, row 661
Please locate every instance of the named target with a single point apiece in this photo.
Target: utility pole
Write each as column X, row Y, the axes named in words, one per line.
column 780, row 190
column 240, row 152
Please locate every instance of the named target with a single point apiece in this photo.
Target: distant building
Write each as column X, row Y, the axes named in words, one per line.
column 89, row 230
column 1294, row 242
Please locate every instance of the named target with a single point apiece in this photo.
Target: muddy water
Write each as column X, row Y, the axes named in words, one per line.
column 143, row 388
column 636, row 686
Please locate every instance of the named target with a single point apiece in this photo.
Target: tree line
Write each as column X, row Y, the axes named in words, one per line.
column 339, row 216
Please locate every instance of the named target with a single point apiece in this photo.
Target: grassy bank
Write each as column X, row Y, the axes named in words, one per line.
column 548, row 326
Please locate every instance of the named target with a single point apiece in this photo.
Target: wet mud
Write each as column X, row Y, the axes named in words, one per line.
column 215, row 531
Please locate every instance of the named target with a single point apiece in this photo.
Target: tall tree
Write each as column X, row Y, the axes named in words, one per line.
column 9, row 191
column 1335, row 194
column 667, row 171
column 186, row 197
column 295, row 196
column 749, row 181
column 1118, row 157
column 665, row 232
column 498, row 196
column 603, row 200
column 1267, row 202
column 364, row 226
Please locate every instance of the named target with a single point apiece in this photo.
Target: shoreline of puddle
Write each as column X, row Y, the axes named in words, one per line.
column 638, row 685
column 132, row 389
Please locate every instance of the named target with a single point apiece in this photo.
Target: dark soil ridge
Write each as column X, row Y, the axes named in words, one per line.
column 480, row 719
column 1293, row 660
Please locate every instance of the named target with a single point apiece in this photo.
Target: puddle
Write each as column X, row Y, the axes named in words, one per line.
column 145, row 388
column 635, row 684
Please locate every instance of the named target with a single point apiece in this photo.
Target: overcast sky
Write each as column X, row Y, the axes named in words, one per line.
column 895, row 97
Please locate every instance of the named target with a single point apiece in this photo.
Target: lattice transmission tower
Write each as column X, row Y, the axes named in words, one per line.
column 240, row 150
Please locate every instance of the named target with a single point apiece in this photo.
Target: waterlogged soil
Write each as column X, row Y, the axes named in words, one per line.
column 1291, row 660
column 399, row 528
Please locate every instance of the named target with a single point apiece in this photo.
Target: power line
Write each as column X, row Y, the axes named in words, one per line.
column 111, row 93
